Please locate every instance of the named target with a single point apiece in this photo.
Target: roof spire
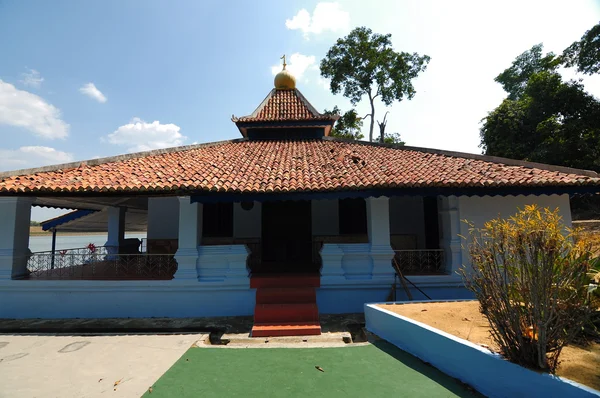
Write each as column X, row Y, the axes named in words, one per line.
column 284, row 80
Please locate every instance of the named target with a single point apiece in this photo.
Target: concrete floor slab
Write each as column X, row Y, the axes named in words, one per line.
column 86, row 366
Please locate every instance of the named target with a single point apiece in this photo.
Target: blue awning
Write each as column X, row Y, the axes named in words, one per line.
column 74, row 215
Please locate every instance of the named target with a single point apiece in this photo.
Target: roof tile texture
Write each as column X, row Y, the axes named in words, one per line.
column 284, row 105
column 287, row 166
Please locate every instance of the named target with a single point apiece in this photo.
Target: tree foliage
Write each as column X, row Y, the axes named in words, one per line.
column 348, row 126
column 365, row 64
column 393, row 138
column 544, row 119
column 585, row 53
column 514, row 79
column 530, row 277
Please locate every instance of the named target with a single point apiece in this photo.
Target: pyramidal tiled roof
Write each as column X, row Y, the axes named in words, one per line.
column 282, row 106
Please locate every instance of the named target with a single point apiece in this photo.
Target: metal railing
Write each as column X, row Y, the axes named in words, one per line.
column 420, row 262
column 100, row 263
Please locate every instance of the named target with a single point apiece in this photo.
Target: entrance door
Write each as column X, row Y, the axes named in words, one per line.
column 286, row 236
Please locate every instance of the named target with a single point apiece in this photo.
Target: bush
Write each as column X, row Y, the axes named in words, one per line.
column 529, row 275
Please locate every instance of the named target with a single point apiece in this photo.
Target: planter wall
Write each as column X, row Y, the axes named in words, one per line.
column 476, row 366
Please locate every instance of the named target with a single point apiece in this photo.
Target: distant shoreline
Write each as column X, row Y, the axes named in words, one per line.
column 37, row 231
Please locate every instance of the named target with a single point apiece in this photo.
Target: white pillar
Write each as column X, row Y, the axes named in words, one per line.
column 190, row 233
column 116, row 230
column 378, row 226
column 15, row 217
column 451, row 240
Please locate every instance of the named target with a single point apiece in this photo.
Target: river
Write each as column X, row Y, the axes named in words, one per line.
column 44, row 243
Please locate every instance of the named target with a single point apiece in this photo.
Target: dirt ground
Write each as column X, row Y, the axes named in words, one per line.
column 463, row 319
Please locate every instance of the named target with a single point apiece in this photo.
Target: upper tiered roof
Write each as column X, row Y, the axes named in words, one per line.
column 285, row 108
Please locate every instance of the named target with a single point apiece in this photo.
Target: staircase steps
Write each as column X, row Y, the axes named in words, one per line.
column 288, row 329
column 286, row 305
column 284, row 295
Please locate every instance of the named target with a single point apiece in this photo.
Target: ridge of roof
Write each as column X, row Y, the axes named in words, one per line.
column 466, row 155
column 112, row 159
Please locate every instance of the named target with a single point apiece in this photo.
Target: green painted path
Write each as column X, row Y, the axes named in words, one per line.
column 379, row 370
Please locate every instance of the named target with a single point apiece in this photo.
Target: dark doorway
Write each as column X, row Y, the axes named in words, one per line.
column 432, row 233
column 286, row 237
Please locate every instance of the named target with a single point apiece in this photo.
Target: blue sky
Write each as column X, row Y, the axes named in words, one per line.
column 84, row 79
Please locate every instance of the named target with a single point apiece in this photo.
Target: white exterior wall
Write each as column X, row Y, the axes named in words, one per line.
column 247, row 223
column 163, row 218
column 325, row 217
column 478, row 210
column 407, row 218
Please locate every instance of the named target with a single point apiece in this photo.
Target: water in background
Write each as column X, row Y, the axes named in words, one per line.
column 44, row 243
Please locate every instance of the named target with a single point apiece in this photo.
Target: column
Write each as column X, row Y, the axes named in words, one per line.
column 451, row 240
column 190, row 232
column 378, row 226
column 15, row 216
column 116, row 231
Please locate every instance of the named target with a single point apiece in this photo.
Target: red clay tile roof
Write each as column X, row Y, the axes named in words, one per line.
column 284, row 105
column 323, row 165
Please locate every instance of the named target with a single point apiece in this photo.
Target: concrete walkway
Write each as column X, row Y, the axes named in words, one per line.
column 86, row 366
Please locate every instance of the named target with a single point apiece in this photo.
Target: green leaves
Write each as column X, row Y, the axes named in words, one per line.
column 514, row 79
column 585, row 54
column 348, row 126
column 544, row 118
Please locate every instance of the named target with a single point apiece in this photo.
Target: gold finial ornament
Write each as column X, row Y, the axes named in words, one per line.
column 284, row 80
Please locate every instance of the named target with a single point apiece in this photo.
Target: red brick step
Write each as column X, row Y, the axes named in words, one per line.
column 284, row 280
column 287, row 329
column 288, row 295
column 303, row 312
column 286, row 305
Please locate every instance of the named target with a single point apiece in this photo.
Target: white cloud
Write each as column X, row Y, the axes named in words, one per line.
column 326, row 16
column 23, row 109
column 91, row 91
column 32, row 156
column 142, row 136
column 297, row 65
column 32, row 78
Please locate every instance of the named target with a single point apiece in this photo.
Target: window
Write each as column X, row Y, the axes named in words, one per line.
column 217, row 220
column 353, row 216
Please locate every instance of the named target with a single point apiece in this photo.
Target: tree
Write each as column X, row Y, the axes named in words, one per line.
column 348, row 126
column 393, row 138
column 514, row 79
column 364, row 63
column 585, row 54
column 544, row 119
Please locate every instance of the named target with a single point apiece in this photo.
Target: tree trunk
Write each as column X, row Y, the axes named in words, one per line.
column 372, row 118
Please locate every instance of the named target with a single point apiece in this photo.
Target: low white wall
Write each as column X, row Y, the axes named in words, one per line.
column 163, row 218
column 247, row 223
column 476, row 366
column 479, row 210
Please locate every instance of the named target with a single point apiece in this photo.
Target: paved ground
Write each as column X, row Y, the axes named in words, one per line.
column 86, row 366
column 370, row 370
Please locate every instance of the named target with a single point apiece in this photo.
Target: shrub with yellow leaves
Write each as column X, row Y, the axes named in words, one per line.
column 529, row 274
